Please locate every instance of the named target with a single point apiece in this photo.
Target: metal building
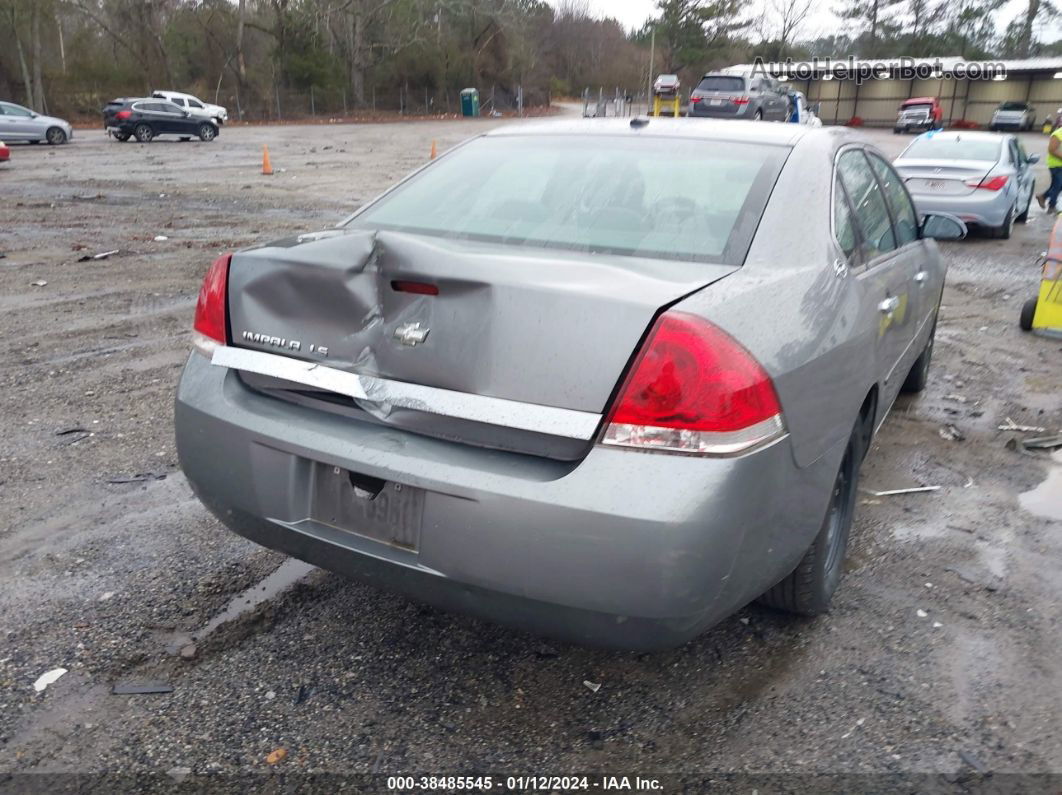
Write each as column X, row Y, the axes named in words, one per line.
column 1037, row 81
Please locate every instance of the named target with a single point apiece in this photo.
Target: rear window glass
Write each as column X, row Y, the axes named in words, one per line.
column 936, row 147
column 1013, row 106
column 652, row 197
column 923, row 108
column 721, row 83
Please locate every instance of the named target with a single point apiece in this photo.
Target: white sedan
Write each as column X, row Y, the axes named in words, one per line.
column 195, row 106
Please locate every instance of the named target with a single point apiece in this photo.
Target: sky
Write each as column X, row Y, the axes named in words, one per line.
column 633, row 13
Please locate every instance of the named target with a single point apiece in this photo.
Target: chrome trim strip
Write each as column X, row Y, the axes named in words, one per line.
column 446, row 402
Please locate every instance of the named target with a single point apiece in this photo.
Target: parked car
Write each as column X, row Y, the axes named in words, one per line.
column 983, row 178
column 534, row 380
column 195, row 106
column 22, row 124
column 1013, row 116
column 148, row 118
column 666, row 85
column 733, row 95
column 5, row 153
column 919, row 113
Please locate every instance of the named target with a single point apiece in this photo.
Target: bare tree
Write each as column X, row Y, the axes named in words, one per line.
column 788, row 17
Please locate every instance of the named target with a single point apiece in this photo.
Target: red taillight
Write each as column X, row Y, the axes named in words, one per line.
column 419, row 288
column 996, row 183
column 210, row 314
column 694, row 389
column 695, row 99
column 740, row 100
column 123, row 114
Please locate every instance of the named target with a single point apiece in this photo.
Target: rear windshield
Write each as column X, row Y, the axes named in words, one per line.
column 951, row 148
column 1013, row 106
column 721, row 83
column 924, row 107
column 640, row 196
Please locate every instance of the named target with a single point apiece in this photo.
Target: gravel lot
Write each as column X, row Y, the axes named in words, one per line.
column 110, row 565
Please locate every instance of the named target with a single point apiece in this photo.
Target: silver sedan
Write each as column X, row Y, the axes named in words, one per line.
column 22, row 124
column 607, row 380
column 983, row 178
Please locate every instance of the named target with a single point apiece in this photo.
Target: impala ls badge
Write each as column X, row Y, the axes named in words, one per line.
column 411, row 334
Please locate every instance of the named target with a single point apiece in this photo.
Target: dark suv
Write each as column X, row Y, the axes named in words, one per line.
column 147, row 118
column 733, row 95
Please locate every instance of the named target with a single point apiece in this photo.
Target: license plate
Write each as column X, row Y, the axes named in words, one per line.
column 393, row 516
column 715, row 102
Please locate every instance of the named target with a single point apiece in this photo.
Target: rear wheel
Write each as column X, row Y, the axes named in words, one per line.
column 1003, row 230
column 144, row 133
column 55, row 136
column 1028, row 309
column 207, row 132
column 185, row 138
column 1024, row 216
column 123, row 137
column 757, row 116
column 808, row 590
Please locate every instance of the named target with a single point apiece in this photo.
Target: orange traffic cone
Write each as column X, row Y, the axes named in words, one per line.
column 433, row 151
column 267, row 167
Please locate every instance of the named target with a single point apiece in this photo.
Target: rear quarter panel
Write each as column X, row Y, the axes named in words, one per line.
column 813, row 330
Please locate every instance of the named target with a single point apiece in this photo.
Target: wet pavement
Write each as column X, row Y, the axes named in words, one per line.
column 940, row 657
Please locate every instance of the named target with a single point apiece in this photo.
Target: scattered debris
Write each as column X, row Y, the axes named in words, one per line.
column 189, row 651
column 744, row 621
column 955, row 398
column 160, row 238
column 952, row 434
column 594, row 686
column 48, row 678
column 38, row 283
column 973, row 762
column 270, row 695
column 937, row 625
column 892, row 492
column 921, row 613
column 141, row 477
column 143, row 688
column 101, row 255
column 179, row 774
column 545, row 651
column 86, row 197
column 276, row 756
column 1042, row 442
column 106, row 596
column 71, row 429
column 1010, row 425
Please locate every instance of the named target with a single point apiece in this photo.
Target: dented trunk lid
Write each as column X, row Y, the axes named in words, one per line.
column 535, row 326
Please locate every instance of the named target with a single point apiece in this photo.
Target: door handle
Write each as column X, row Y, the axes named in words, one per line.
column 888, row 306
column 920, row 278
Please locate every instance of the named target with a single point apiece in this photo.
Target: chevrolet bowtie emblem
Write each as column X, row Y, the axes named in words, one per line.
column 411, row 334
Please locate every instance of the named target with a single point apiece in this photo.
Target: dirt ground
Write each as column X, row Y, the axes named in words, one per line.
column 940, row 660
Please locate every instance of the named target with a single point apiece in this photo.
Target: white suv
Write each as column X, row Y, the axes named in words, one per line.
column 196, row 107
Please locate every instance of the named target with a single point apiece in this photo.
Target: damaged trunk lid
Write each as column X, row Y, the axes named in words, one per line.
column 536, row 327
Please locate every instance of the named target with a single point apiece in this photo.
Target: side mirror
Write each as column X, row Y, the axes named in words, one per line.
column 1032, row 159
column 34, row 115
column 943, row 226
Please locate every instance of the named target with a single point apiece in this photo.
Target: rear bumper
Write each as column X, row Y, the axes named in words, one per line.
column 924, row 124
column 727, row 111
column 981, row 207
column 623, row 549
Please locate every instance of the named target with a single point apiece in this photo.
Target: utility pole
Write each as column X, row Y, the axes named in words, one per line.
column 652, row 59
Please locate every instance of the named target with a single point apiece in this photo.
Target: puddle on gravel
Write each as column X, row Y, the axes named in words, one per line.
column 1046, row 499
column 287, row 574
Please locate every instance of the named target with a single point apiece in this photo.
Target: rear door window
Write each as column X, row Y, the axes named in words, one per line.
column 903, row 211
column 844, row 229
column 868, row 203
column 193, row 104
column 725, row 83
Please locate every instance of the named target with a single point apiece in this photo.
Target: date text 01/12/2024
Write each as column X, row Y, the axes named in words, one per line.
column 523, row 783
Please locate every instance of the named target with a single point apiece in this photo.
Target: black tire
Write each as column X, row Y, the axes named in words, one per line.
column 757, row 116
column 185, row 138
column 808, row 589
column 55, row 136
column 1028, row 309
column 1003, row 231
column 1024, row 217
column 207, row 131
column 122, row 137
column 144, row 133
column 919, row 376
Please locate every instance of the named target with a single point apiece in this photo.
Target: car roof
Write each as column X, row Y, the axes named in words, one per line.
column 919, row 100
column 971, row 135
column 703, row 129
